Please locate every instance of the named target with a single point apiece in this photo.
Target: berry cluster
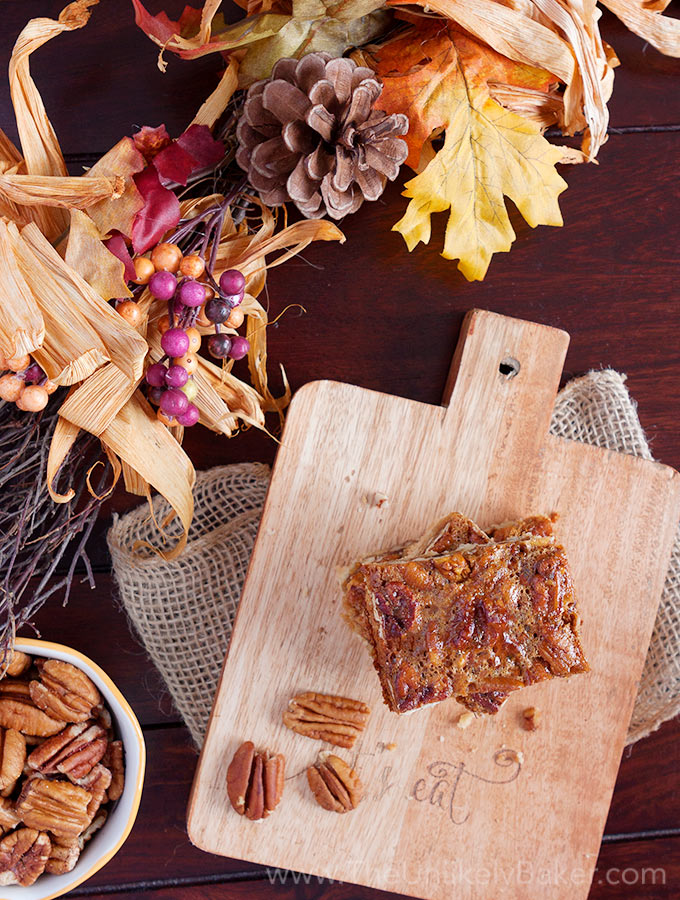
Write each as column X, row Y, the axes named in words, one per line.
column 175, row 279
column 25, row 384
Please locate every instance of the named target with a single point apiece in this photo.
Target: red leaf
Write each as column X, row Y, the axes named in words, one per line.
column 116, row 245
column 174, row 163
column 199, row 142
column 150, row 141
column 159, row 213
column 161, row 28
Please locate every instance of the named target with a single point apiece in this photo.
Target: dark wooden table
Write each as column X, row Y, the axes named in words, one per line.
column 388, row 320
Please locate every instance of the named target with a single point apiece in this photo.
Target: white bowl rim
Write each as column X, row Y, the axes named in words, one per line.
column 40, row 647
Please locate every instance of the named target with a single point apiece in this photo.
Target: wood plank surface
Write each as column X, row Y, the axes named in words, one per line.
column 489, row 456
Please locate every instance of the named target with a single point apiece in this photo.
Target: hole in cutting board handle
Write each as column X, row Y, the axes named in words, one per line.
column 509, row 367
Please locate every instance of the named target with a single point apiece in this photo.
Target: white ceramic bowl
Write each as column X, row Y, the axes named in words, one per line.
column 106, row 842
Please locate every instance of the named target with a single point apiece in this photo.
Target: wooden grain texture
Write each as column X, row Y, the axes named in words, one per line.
column 640, row 870
column 489, row 456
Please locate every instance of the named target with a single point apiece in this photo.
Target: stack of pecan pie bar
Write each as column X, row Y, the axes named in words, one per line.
column 467, row 614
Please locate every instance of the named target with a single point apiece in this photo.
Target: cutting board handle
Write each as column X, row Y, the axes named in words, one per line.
column 507, row 370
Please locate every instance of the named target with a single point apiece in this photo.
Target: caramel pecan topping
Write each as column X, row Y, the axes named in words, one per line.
column 18, row 711
column 335, row 785
column 530, row 718
column 18, row 663
column 325, row 717
column 23, row 856
column 12, row 758
column 56, row 806
column 255, row 781
column 72, row 752
column 64, row 691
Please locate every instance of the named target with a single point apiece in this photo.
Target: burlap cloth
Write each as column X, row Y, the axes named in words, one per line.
column 184, row 610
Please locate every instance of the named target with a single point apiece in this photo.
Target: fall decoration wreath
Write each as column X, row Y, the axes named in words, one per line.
column 130, row 291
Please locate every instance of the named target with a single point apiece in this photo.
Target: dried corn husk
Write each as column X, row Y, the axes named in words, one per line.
column 77, row 314
column 22, row 327
column 216, row 103
column 87, row 255
column 39, row 144
column 63, row 439
column 10, row 158
column 644, row 19
column 147, row 447
column 95, row 403
column 65, row 192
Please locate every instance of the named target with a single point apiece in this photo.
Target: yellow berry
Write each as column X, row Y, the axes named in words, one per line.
column 166, row 420
column 11, row 387
column 189, row 361
column 144, row 269
column 209, row 292
column 33, row 398
column 132, row 314
column 50, row 386
column 193, row 266
column 236, row 317
column 202, row 320
column 163, row 324
column 166, row 257
column 194, row 336
column 19, row 363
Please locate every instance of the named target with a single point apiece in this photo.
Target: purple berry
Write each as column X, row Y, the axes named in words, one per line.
column 219, row 345
column 174, row 402
column 155, row 394
column 189, row 417
column 33, row 374
column 175, row 342
column 155, row 375
column 232, row 282
column 176, row 376
column 217, row 310
column 239, row 347
column 163, row 285
column 191, row 293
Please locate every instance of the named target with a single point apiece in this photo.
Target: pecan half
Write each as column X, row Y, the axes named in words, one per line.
column 56, row 806
column 113, row 760
column 18, row 663
column 12, row 758
column 63, row 856
column 97, row 782
column 72, row 752
column 64, row 691
column 93, row 827
column 8, row 818
column 325, row 717
column 23, row 856
column 335, row 785
column 255, row 781
column 18, row 711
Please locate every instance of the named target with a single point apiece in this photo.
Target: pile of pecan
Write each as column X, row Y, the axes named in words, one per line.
column 59, row 767
column 255, row 778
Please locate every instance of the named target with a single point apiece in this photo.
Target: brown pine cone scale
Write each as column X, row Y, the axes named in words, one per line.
column 310, row 134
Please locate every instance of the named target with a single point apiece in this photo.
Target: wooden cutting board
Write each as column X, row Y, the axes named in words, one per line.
column 492, row 809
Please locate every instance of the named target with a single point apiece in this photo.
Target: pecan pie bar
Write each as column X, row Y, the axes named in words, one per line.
column 483, row 618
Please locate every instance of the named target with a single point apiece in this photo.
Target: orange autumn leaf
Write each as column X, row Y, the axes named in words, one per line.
column 417, row 68
column 438, row 76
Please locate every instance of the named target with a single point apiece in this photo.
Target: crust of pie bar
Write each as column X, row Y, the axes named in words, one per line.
column 483, row 619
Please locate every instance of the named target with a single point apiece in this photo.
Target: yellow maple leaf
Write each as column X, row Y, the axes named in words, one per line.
column 489, row 153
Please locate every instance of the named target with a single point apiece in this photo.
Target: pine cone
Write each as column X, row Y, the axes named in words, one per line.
column 310, row 134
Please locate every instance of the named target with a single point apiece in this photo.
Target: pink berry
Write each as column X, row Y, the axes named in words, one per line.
column 239, row 347
column 234, row 300
column 191, row 293
column 175, row 342
column 163, row 285
column 232, row 282
column 189, row 417
column 155, row 375
column 176, row 376
column 174, row 402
